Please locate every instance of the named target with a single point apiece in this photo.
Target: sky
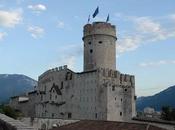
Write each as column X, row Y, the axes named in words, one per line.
column 36, row 35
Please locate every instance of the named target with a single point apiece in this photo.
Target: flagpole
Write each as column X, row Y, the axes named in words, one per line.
column 107, row 19
column 89, row 17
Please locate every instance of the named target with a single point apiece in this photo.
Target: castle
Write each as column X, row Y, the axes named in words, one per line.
column 100, row 92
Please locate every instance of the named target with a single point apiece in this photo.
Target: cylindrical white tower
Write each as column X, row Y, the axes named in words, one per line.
column 99, row 46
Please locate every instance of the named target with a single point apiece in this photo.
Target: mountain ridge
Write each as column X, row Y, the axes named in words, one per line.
column 15, row 84
column 156, row 101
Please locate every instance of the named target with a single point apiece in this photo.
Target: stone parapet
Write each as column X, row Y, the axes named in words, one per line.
column 99, row 28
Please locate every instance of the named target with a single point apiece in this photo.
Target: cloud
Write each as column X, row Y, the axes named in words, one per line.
column 70, row 61
column 158, row 63
column 37, row 8
column 129, row 43
column 36, row 32
column 152, row 30
column 172, row 16
column 146, row 30
column 2, row 35
column 68, row 57
column 147, row 25
column 10, row 18
column 60, row 24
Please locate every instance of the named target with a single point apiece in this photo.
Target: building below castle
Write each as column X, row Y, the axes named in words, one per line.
column 100, row 92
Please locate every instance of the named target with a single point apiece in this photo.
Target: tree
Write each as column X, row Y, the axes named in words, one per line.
column 1, row 109
column 10, row 112
column 173, row 113
column 168, row 113
column 7, row 110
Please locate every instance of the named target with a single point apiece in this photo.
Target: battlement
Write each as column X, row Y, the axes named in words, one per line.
column 123, row 78
column 99, row 28
column 53, row 70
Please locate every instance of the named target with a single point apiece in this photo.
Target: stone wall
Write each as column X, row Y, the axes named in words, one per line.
column 27, row 107
column 67, row 95
column 120, row 94
column 45, row 123
column 7, row 123
column 101, row 94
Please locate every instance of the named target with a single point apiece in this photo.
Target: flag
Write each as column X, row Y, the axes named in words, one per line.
column 89, row 18
column 107, row 18
column 96, row 12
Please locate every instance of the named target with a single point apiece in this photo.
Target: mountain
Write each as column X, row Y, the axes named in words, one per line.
column 164, row 98
column 14, row 84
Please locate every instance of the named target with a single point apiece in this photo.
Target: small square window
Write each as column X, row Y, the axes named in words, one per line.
column 89, row 43
column 125, row 89
column 91, row 50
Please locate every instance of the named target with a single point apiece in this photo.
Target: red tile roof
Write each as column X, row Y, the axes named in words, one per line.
column 106, row 125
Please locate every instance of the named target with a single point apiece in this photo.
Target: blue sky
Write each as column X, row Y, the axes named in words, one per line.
column 36, row 35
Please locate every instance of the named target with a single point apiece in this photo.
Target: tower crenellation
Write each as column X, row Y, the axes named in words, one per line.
column 99, row 28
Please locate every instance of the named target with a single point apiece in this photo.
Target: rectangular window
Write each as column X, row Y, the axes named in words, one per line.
column 44, row 88
column 50, row 96
column 120, row 113
column 52, row 115
column 69, row 115
column 62, row 85
column 41, row 97
column 113, row 88
column 96, row 115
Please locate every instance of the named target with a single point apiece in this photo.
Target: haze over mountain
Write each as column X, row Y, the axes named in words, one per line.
column 14, row 84
column 163, row 98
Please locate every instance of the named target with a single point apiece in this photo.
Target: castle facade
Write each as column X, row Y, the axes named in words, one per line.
column 100, row 92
